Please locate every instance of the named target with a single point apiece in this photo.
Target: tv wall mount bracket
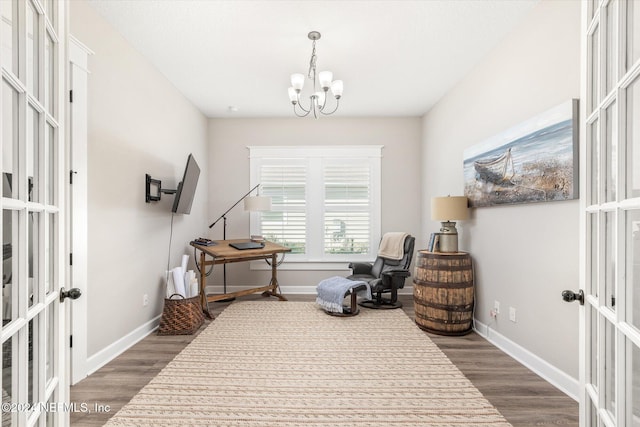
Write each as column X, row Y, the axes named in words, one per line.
column 154, row 190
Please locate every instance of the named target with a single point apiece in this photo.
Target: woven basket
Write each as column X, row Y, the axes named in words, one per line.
column 181, row 316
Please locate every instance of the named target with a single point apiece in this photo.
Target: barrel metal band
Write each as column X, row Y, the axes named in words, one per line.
column 458, row 285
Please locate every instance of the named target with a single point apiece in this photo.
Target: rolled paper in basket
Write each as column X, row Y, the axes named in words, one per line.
column 171, row 289
column 194, row 289
column 185, row 261
column 178, row 281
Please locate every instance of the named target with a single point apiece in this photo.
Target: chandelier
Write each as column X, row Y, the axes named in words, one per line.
column 318, row 98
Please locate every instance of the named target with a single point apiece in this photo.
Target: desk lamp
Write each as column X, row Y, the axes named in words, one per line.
column 251, row 203
column 446, row 209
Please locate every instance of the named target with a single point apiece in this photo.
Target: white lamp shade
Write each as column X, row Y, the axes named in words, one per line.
column 450, row 208
column 325, row 78
column 257, row 203
column 336, row 88
column 293, row 95
column 297, row 81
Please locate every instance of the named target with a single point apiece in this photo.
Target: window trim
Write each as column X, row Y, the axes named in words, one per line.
column 372, row 152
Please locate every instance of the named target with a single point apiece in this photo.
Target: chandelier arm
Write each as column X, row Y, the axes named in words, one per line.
column 295, row 111
column 334, row 110
column 301, row 107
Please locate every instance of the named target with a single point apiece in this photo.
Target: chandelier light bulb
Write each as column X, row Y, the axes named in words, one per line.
column 293, row 95
column 297, row 81
column 325, row 78
column 320, row 98
column 336, row 88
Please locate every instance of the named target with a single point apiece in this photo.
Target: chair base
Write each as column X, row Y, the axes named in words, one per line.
column 384, row 304
column 346, row 312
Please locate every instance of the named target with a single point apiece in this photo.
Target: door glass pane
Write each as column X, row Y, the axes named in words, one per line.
column 33, row 147
column 633, row 139
column 593, row 282
column 592, row 377
column 594, row 97
column 633, row 267
column 633, row 385
column 9, row 139
column 593, row 5
column 9, row 35
column 610, row 368
column 633, row 33
column 9, row 265
column 32, row 373
column 611, row 52
column 51, row 167
column 50, row 337
column 34, row 257
column 8, row 371
column 592, row 413
column 32, row 50
column 611, row 154
column 50, row 255
column 51, row 7
column 595, row 162
column 48, row 74
column 610, row 260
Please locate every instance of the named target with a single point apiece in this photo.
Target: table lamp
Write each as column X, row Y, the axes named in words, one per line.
column 447, row 209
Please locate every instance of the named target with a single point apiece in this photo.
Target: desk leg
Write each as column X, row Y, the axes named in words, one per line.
column 203, row 281
column 275, row 286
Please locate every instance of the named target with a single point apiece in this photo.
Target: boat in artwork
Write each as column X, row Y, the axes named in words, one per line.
column 496, row 170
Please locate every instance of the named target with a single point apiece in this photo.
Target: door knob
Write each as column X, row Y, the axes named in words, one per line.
column 570, row 296
column 73, row 293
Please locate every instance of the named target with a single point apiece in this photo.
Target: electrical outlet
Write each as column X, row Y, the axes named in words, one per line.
column 496, row 307
column 145, row 300
column 512, row 314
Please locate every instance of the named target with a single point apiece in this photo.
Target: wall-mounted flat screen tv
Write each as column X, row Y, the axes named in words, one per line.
column 187, row 187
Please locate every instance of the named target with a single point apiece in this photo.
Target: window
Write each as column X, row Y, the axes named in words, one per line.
column 325, row 202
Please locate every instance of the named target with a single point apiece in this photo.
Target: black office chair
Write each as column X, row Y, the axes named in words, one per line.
column 384, row 276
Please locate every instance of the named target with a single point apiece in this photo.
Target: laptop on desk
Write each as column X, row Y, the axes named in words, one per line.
column 242, row 246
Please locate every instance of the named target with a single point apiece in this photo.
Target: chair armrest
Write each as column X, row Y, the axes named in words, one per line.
column 397, row 273
column 360, row 267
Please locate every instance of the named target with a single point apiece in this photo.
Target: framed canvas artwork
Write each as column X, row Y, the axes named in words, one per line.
column 534, row 161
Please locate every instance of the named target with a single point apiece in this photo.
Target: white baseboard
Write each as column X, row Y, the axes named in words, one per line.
column 115, row 349
column 293, row 290
column 565, row 383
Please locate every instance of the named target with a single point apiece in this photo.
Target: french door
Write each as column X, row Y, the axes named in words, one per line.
column 33, row 382
column 610, row 361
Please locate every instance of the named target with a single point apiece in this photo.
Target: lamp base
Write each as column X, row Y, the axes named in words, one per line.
column 448, row 237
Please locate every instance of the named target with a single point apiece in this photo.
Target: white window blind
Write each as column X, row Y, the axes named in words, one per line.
column 347, row 203
column 325, row 201
column 286, row 223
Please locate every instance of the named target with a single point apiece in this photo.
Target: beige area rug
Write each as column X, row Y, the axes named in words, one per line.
column 290, row 364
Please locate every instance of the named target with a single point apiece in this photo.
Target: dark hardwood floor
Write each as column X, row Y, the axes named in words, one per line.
column 520, row 395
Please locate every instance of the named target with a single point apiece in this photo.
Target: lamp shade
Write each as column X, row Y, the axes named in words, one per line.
column 257, row 203
column 297, row 81
column 449, row 208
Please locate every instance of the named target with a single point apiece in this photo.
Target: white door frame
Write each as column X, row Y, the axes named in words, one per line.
column 77, row 185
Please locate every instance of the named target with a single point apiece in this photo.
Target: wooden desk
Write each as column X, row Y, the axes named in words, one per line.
column 222, row 253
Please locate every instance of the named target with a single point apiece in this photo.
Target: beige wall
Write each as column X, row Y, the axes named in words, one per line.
column 525, row 255
column 229, row 176
column 137, row 123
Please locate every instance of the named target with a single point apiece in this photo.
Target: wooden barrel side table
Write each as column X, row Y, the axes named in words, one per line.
column 443, row 292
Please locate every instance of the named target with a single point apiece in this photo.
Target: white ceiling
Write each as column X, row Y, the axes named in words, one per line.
column 396, row 58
